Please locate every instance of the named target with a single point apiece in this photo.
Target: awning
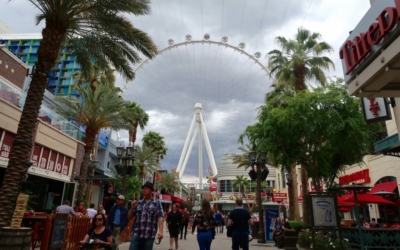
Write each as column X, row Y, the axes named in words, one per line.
column 386, row 187
column 370, row 198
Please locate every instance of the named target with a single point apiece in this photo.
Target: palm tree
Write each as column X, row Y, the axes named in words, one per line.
column 169, row 183
column 242, row 159
column 100, row 75
column 137, row 117
column 146, row 160
column 300, row 60
column 242, row 184
column 98, row 109
column 156, row 142
column 94, row 31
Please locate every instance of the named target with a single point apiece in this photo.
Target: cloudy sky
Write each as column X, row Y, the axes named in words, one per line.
column 229, row 85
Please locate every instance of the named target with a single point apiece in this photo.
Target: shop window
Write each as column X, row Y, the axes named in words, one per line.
column 229, row 186
column 221, row 185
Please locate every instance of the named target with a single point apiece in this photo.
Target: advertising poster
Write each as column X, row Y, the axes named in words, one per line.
column 270, row 221
column 324, row 211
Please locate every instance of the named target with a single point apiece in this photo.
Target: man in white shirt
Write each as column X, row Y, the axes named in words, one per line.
column 65, row 208
column 91, row 211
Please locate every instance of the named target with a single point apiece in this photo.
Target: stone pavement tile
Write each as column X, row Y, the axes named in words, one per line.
column 221, row 242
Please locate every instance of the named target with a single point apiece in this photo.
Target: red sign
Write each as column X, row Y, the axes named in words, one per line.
column 65, row 169
column 35, row 155
column 373, row 106
column 6, row 146
column 357, row 177
column 52, row 161
column 353, row 52
column 279, row 197
column 213, row 187
column 59, row 164
column 44, row 158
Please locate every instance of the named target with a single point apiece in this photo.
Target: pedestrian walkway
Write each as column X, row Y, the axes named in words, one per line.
column 221, row 242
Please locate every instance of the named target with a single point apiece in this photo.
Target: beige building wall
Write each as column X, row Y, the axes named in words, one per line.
column 4, row 29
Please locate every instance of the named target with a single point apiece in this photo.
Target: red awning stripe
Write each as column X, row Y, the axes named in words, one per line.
column 386, row 187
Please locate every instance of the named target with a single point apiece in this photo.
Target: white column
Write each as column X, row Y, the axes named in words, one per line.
column 185, row 150
column 200, row 157
column 189, row 151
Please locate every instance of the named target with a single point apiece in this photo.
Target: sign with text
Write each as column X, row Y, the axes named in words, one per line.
column 358, row 177
column 376, row 30
column 376, row 109
column 6, row 145
column 279, row 197
column 324, row 211
column 59, row 228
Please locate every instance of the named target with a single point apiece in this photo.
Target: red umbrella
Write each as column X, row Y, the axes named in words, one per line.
column 343, row 203
column 370, row 198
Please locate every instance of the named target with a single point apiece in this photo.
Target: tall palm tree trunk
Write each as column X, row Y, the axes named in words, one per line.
column 24, row 140
column 293, row 199
column 89, row 142
column 306, row 204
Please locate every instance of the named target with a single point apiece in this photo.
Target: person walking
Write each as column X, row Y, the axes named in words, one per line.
column 65, row 208
column 205, row 222
column 185, row 222
column 117, row 219
column 174, row 221
column 147, row 214
column 218, row 218
column 240, row 219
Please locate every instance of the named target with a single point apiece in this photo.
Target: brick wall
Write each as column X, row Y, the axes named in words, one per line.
column 12, row 68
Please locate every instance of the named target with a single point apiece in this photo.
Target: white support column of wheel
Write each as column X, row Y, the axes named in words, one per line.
column 202, row 132
column 185, row 150
column 188, row 154
column 208, row 147
column 198, row 107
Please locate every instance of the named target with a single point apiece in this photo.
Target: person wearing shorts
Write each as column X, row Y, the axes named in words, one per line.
column 174, row 221
column 218, row 218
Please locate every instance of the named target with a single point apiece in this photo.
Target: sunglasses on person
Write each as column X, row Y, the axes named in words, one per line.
column 98, row 219
column 157, row 243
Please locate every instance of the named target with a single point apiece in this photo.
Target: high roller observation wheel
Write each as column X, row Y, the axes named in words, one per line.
column 206, row 39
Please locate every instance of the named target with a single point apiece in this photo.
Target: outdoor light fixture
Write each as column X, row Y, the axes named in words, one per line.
column 126, row 155
column 260, row 175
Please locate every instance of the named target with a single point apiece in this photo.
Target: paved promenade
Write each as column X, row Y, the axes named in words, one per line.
column 221, row 242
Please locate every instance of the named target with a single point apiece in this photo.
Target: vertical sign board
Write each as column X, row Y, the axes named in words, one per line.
column 324, row 212
column 58, row 231
column 270, row 220
column 376, row 109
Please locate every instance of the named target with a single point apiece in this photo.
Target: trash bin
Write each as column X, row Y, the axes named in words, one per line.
column 255, row 229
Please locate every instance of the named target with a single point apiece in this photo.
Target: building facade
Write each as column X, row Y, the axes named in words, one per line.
column 225, row 193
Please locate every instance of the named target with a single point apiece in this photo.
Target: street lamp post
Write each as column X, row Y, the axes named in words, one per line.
column 125, row 155
column 260, row 175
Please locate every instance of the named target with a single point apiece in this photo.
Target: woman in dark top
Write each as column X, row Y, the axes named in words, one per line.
column 99, row 233
column 174, row 221
column 205, row 222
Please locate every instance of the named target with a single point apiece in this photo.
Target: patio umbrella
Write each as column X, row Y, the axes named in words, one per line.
column 370, row 198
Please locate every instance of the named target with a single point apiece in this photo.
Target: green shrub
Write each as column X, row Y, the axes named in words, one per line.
column 296, row 225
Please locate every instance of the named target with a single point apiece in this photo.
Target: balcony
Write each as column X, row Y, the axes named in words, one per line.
column 15, row 96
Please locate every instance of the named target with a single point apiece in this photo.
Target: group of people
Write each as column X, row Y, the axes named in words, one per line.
column 80, row 209
column 148, row 217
